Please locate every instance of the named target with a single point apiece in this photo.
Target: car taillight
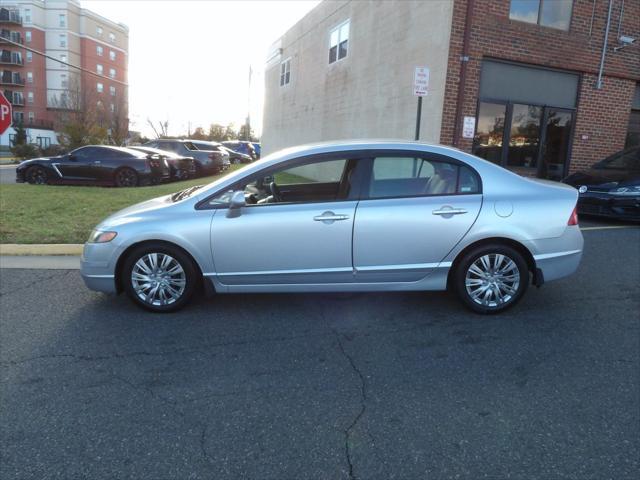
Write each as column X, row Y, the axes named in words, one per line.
column 573, row 219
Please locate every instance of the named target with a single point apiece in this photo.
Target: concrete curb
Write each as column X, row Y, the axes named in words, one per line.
column 41, row 249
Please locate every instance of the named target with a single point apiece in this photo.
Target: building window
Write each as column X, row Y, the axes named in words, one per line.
column 64, row 83
column 339, row 42
column 548, row 13
column 43, row 142
column 63, row 40
column 99, row 69
column 32, row 117
column 63, row 58
column 112, row 55
column 29, row 77
column 29, row 97
column 285, row 72
column 99, row 31
column 112, row 91
column 27, row 36
column 29, row 56
column 112, row 72
column 112, row 37
column 62, row 20
column 99, row 50
column 99, row 87
column 27, row 15
column 112, row 107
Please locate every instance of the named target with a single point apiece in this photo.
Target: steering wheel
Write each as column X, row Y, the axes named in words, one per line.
column 275, row 191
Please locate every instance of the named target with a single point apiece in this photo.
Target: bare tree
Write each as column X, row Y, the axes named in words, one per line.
column 163, row 128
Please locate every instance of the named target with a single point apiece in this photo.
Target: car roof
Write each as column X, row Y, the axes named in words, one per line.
column 166, row 153
column 113, row 148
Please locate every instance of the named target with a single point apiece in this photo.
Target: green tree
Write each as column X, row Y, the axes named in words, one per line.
column 21, row 148
column 242, row 134
column 199, row 134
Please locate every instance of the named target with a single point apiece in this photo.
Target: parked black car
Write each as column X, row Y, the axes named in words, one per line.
column 208, row 162
column 236, row 157
column 181, row 167
column 611, row 187
column 95, row 165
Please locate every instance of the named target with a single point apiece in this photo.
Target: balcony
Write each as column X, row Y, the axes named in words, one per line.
column 37, row 123
column 10, row 16
column 11, row 79
column 7, row 59
column 15, row 98
column 12, row 36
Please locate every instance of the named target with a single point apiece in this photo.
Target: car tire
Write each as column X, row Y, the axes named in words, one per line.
column 159, row 278
column 491, row 278
column 37, row 175
column 125, row 177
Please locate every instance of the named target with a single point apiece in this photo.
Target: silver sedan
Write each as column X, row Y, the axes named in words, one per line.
column 347, row 216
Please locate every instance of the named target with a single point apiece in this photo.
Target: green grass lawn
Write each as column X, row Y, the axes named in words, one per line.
column 67, row 214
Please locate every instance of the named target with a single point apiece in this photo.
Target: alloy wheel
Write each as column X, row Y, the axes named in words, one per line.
column 38, row 176
column 492, row 280
column 126, row 178
column 158, row 279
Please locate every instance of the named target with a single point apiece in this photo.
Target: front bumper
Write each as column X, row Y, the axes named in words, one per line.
column 97, row 266
column 605, row 205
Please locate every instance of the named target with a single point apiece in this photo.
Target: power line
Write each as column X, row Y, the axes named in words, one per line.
column 38, row 52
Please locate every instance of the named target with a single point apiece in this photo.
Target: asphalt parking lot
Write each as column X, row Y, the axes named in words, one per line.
column 367, row 386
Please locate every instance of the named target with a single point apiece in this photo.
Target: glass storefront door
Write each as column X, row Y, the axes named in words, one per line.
column 556, row 142
column 531, row 140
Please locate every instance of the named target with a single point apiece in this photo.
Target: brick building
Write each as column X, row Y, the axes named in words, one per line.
column 39, row 86
column 543, row 91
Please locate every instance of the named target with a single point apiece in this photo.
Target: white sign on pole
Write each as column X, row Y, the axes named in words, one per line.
column 469, row 127
column 421, row 82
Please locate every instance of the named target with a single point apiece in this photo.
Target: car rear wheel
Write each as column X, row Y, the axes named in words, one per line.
column 159, row 278
column 491, row 278
column 125, row 177
column 37, row 176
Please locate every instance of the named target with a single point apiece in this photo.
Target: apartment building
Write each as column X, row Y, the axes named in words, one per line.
column 543, row 87
column 39, row 86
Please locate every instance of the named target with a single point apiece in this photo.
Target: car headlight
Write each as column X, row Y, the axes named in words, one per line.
column 98, row 236
column 631, row 190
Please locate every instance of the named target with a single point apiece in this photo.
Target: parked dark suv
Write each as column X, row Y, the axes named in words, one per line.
column 208, row 162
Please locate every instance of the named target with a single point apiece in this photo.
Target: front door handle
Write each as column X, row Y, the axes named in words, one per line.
column 448, row 211
column 330, row 217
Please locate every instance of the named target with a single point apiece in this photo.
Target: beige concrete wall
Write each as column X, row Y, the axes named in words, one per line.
column 369, row 93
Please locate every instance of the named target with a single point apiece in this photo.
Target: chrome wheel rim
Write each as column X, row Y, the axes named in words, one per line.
column 492, row 280
column 158, row 279
column 126, row 178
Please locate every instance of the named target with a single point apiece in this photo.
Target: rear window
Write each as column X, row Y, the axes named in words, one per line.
column 190, row 146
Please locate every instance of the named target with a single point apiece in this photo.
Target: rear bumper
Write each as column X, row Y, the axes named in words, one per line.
column 558, row 257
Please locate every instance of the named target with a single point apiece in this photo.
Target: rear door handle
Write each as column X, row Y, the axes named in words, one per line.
column 330, row 217
column 449, row 211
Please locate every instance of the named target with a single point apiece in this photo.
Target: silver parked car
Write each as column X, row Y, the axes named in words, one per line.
column 347, row 216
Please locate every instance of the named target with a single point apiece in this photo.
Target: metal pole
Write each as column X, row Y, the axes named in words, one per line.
column 604, row 47
column 418, row 115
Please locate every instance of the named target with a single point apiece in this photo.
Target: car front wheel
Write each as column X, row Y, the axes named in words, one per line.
column 37, row 176
column 491, row 278
column 159, row 278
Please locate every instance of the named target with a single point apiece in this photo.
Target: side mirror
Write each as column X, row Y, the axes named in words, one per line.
column 235, row 204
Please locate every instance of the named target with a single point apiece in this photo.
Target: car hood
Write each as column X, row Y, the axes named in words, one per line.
column 603, row 178
column 137, row 212
column 32, row 161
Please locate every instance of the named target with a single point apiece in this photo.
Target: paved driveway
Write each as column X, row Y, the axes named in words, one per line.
column 368, row 386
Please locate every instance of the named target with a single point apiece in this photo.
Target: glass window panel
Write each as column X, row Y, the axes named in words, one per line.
column 556, row 147
column 487, row 142
column 333, row 54
column 524, row 138
column 524, row 10
column 411, row 177
column 334, row 38
column 342, row 52
column 344, row 32
column 633, row 132
column 321, row 172
column 556, row 13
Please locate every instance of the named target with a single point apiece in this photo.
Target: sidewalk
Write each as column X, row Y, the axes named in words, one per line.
column 41, row 262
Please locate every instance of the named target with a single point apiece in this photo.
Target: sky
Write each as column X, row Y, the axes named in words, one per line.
column 189, row 60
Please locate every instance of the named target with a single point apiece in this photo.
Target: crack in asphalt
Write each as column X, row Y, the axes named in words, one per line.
column 363, row 406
